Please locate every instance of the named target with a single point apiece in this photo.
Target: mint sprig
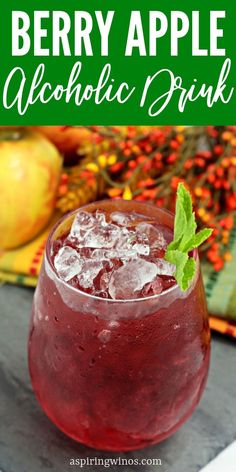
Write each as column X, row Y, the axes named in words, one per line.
column 185, row 239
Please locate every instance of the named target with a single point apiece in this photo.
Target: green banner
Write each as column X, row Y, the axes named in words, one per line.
column 99, row 62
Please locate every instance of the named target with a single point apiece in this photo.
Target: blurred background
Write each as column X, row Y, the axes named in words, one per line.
column 49, row 170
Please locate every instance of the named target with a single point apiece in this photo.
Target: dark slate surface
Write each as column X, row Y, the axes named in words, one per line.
column 30, row 443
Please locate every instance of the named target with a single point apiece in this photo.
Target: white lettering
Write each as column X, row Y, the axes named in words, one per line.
column 135, row 29
column 216, row 33
column 20, row 32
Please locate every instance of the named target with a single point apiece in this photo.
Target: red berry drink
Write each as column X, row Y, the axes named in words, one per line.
column 118, row 355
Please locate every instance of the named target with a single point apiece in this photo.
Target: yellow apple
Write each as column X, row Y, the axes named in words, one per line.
column 30, row 168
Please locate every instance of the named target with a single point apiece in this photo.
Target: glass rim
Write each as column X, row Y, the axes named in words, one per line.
column 167, row 292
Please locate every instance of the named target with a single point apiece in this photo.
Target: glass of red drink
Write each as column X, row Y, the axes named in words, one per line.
column 118, row 355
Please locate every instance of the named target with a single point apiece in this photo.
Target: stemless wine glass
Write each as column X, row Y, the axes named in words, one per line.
column 117, row 374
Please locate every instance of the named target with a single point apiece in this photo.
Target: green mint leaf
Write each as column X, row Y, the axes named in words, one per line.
column 173, row 245
column 185, row 268
column 188, row 273
column 180, row 218
column 198, row 239
column 185, row 239
column 202, row 236
column 186, row 200
column 179, row 259
column 189, row 234
column 185, row 224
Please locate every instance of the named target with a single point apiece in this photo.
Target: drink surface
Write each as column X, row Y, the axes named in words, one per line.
column 115, row 255
column 117, row 375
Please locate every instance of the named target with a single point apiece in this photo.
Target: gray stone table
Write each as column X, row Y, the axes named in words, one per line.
column 29, row 442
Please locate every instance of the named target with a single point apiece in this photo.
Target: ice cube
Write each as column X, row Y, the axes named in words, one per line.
column 124, row 246
column 141, row 244
column 98, row 254
column 89, row 231
column 103, row 254
column 153, row 288
column 131, row 278
column 83, row 222
column 109, row 254
column 141, row 249
column 126, row 219
column 164, row 267
column 131, row 244
column 154, row 235
column 67, row 263
column 121, row 218
column 101, row 237
column 100, row 217
column 89, row 271
column 126, row 238
column 104, row 281
column 126, row 254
